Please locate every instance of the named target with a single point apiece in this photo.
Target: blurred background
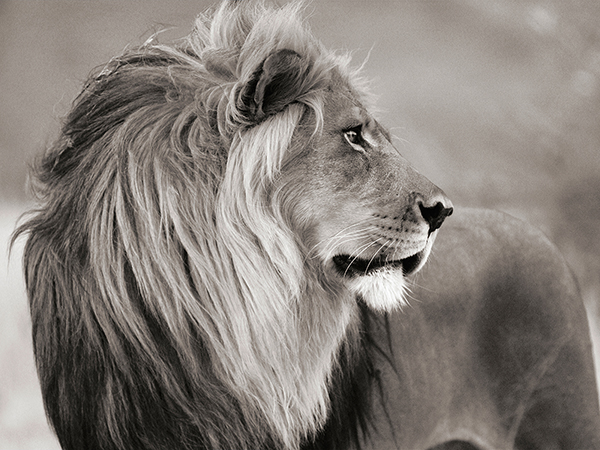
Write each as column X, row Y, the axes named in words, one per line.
column 496, row 101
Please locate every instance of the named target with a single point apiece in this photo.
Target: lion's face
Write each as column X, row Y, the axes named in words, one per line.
column 367, row 215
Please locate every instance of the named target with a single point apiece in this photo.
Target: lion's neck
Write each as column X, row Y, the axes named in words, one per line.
column 322, row 326
column 351, row 383
column 287, row 386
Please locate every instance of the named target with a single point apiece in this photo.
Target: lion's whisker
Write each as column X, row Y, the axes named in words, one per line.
column 342, row 240
column 375, row 255
column 361, row 250
column 333, row 240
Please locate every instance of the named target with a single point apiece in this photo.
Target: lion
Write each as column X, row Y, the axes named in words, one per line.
column 230, row 253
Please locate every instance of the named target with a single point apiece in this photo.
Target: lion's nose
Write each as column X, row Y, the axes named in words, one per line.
column 436, row 214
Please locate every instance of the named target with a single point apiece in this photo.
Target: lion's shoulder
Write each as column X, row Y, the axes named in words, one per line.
column 490, row 249
column 495, row 317
column 501, row 265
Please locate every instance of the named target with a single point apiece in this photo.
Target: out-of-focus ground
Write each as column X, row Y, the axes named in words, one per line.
column 497, row 101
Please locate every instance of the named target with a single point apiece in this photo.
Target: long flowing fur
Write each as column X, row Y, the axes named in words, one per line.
column 171, row 297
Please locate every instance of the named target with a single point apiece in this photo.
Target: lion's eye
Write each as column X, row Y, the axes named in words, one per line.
column 355, row 138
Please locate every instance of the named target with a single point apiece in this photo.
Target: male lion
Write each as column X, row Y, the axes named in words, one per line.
column 220, row 258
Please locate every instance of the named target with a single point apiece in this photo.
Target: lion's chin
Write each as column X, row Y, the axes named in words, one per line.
column 382, row 289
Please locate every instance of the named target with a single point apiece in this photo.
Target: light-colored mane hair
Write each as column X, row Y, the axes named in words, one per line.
column 169, row 262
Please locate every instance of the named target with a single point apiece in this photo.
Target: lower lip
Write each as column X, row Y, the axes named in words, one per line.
column 410, row 264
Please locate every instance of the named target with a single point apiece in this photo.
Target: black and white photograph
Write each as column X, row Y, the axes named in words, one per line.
column 299, row 225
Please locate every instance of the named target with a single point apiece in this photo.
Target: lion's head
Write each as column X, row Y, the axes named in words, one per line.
column 364, row 214
column 211, row 217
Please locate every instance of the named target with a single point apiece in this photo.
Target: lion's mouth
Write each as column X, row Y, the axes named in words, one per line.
column 350, row 266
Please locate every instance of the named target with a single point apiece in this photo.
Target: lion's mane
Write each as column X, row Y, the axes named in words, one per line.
column 172, row 300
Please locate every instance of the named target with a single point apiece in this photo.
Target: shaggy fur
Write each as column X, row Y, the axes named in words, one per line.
column 172, row 300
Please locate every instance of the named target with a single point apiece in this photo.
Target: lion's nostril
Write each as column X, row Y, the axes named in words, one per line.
column 434, row 215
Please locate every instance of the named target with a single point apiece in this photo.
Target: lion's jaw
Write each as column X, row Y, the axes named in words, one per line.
column 372, row 254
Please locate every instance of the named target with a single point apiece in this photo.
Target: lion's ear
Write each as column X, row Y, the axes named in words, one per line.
column 279, row 81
